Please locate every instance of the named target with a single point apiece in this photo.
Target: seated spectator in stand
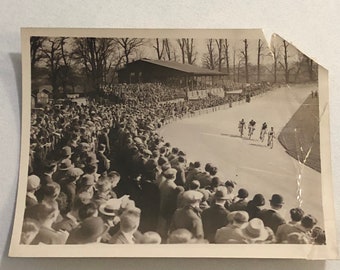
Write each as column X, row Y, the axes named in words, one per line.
column 88, row 232
column 296, row 214
column 189, row 217
column 30, row 229
column 87, row 210
column 254, row 206
column 240, row 202
column 232, row 233
column 272, row 217
column 256, row 233
column 33, row 184
column 46, row 215
column 216, row 216
column 180, row 168
column 103, row 192
column 128, row 232
column 50, row 195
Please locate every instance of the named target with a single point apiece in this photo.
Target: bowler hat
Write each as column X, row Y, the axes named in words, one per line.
column 259, row 200
column 65, row 164
column 66, row 151
column 221, row 193
column 276, row 200
column 242, row 193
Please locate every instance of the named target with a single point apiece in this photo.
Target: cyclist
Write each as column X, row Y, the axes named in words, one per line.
column 251, row 127
column 241, row 126
column 263, row 131
column 271, row 136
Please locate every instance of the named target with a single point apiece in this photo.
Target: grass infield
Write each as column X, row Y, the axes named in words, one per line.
column 301, row 137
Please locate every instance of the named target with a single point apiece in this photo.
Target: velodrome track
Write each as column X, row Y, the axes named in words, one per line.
column 214, row 138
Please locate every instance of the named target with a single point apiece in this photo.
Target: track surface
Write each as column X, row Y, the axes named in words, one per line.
column 214, row 138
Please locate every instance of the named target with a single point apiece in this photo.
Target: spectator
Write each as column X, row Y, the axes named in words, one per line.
column 284, row 230
column 240, row 202
column 33, row 184
column 189, row 216
column 271, row 217
column 254, row 206
column 216, row 216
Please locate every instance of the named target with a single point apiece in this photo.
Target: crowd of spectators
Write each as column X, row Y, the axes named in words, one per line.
column 102, row 174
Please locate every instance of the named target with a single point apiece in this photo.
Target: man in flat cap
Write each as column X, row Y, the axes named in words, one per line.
column 189, row 217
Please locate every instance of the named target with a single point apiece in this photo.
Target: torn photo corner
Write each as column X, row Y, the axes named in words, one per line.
column 138, row 143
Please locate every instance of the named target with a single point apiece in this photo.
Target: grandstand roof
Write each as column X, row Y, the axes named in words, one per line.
column 186, row 68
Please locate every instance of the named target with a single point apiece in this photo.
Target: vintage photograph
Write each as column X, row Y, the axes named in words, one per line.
column 163, row 139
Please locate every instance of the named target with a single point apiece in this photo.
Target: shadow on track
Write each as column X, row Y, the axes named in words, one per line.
column 258, row 145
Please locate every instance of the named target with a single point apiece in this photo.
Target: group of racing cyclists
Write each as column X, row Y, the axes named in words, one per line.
column 251, row 128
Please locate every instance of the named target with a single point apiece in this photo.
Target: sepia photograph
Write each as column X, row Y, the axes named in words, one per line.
column 207, row 138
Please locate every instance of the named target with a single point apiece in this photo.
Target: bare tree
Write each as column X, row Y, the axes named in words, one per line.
column 234, row 65
column 129, row 46
column 226, row 55
column 159, row 47
column 219, row 51
column 98, row 56
column 36, row 54
column 285, row 65
column 181, row 42
column 167, row 48
column 209, row 58
column 244, row 53
column 51, row 50
column 259, row 55
column 276, row 52
column 190, row 51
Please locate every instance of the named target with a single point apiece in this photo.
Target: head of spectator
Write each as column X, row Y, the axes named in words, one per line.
column 180, row 236
column 161, row 161
column 129, row 220
column 150, row 238
column 89, row 231
column 197, row 164
column 33, row 183
column 208, row 167
column 170, row 174
column 259, row 200
column 91, row 159
column 51, row 191
column 50, row 167
column 296, row 214
column 110, row 208
column 30, row 229
column 238, row 218
column 319, row 236
column 65, row 165
column 66, row 152
column 192, row 198
column 45, row 214
column 174, row 150
column 242, row 194
column 221, row 195
column 308, row 222
column 213, row 171
column 276, row 202
column 73, row 175
column 181, row 160
column 297, row 238
column 230, row 185
column 114, row 178
column 255, row 232
column 87, row 210
column 194, row 185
